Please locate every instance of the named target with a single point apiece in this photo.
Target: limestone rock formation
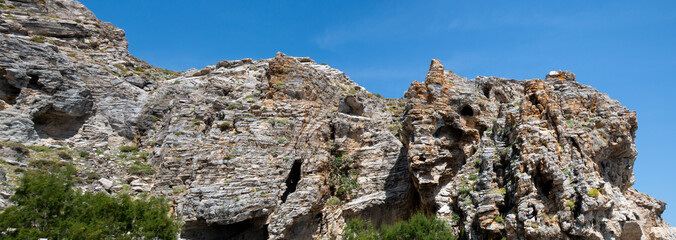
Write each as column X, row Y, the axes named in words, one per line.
column 285, row 148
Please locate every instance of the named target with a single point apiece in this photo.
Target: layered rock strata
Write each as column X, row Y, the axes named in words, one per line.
column 285, row 148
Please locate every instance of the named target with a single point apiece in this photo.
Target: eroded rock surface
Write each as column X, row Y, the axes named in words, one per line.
column 285, row 148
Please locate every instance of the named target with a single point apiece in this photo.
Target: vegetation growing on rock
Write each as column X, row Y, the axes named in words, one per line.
column 418, row 226
column 47, row 206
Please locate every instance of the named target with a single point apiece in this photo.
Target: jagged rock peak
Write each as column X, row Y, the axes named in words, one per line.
column 285, row 148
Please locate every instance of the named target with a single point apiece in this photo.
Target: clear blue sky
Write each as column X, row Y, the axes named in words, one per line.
column 624, row 48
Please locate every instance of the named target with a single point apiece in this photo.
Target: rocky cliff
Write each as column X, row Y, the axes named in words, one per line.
column 285, row 148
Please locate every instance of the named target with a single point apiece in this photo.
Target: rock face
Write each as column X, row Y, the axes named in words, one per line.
column 285, row 148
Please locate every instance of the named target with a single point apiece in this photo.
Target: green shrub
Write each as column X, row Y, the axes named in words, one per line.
column 417, row 227
column 333, row 201
column 224, row 126
column 139, row 168
column 570, row 204
column 16, row 146
column 472, row 177
column 38, row 39
column 93, row 176
column 593, row 193
column 281, row 140
column 40, row 148
column 128, row 149
column 358, row 229
column 341, row 177
column 48, row 207
column 233, row 106
column 465, row 190
column 64, row 155
column 84, row 154
column 499, row 219
column 143, row 155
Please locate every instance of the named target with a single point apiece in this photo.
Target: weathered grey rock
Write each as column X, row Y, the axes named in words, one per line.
column 285, row 148
column 107, row 184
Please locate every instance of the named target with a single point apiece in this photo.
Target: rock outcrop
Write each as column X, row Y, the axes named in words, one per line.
column 285, row 148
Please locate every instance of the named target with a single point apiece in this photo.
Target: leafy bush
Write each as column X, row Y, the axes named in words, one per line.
column 83, row 154
column 333, row 201
column 139, row 168
column 593, row 193
column 48, row 207
column 499, row 219
column 64, row 154
column 472, row 177
column 570, row 204
column 224, row 126
column 417, row 227
column 15, row 146
column 358, row 229
column 465, row 190
column 233, row 106
column 39, row 148
column 341, row 177
column 38, row 39
column 128, row 149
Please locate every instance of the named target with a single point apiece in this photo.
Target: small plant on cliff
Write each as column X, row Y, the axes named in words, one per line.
column 570, row 204
column 128, row 149
column 139, row 168
column 341, row 177
column 499, row 220
column 64, row 155
column 224, row 126
column 593, row 193
column 333, row 201
column 38, row 39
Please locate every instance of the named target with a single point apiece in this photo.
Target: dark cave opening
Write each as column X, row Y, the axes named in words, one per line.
column 57, row 125
column 249, row 229
column 544, row 185
column 292, row 179
column 487, row 91
column 34, row 82
column 451, row 133
column 467, row 111
column 8, row 93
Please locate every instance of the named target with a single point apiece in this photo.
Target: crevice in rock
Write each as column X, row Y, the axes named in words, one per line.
column 34, row 82
column 292, row 179
column 304, row 226
column 8, row 93
column 487, row 91
column 451, row 133
column 577, row 146
column 58, row 125
column 249, row 229
column 544, row 184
